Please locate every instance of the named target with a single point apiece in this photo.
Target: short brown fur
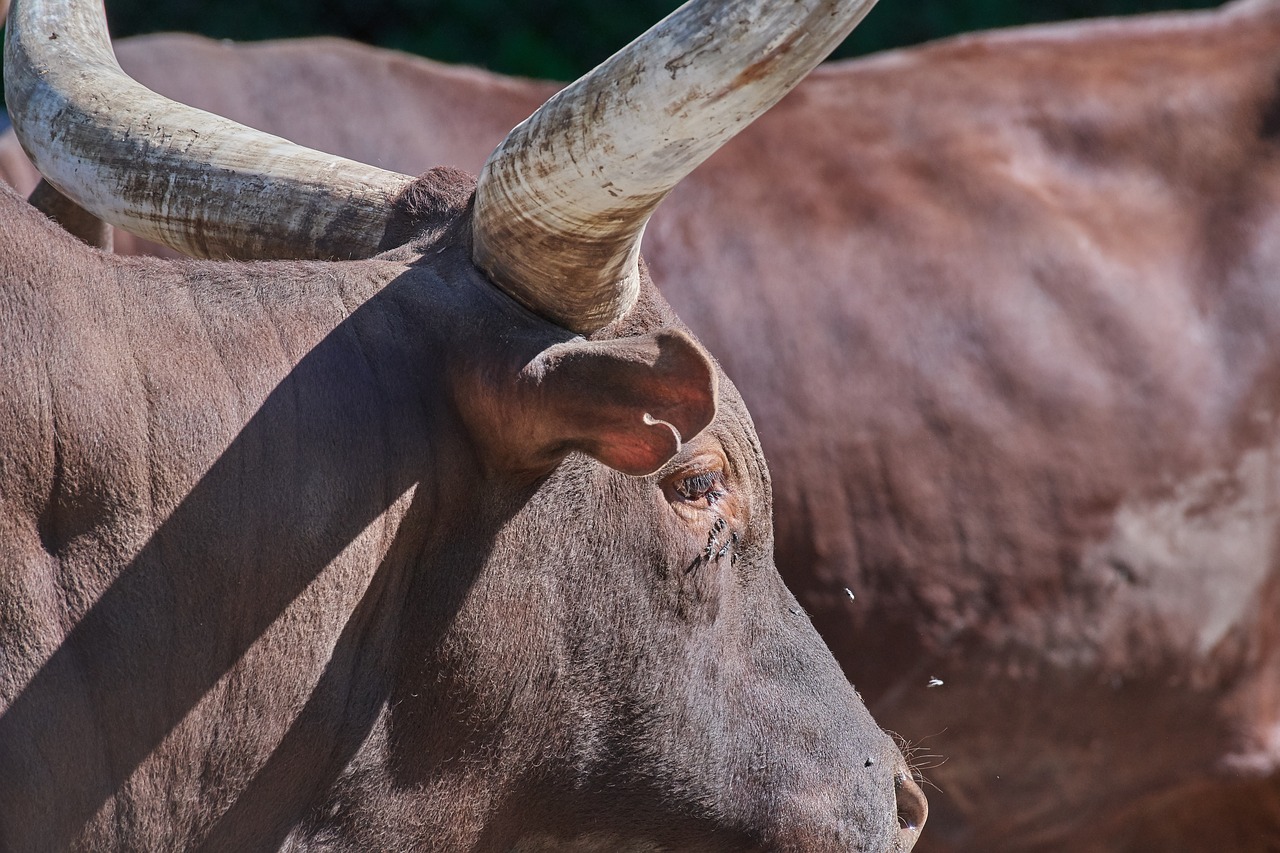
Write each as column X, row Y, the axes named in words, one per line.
column 999, row 305
column 317, row 556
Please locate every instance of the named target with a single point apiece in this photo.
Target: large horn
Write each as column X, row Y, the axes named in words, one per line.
column 562, row 203
column 194, row 181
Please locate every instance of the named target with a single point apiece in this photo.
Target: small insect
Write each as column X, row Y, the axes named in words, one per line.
column 935, row 682
column 849, row 593
column 733, row 538
column 711, row 546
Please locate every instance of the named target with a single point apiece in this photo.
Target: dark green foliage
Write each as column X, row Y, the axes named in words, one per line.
column 556, row 39
column 559, row 39
column 896, row 24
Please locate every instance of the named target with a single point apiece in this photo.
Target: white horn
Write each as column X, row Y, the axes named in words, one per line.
column 562, row 203
column 194, row 181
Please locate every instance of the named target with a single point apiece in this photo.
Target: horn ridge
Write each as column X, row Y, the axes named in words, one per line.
column 199, row 183
column 562, row 203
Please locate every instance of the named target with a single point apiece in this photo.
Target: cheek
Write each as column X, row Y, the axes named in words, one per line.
column 705, row 542
column 702, row 590
column 717, row 530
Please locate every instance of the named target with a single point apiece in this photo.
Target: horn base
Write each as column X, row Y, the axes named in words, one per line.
column 578, row 278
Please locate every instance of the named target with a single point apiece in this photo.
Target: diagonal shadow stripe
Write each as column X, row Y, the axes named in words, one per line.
column 334, row 723
column 333, row 445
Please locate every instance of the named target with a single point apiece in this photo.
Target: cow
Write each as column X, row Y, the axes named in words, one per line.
column 372, row 554
column 1025, row 282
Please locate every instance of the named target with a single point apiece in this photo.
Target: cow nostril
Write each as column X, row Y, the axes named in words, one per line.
column 913, row 808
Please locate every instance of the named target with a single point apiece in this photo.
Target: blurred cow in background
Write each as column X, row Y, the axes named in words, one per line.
column 1006, row 309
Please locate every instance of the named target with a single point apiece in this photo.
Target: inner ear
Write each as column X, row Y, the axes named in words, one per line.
column 628, row 402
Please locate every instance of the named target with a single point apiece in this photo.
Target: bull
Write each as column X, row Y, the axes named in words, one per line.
column 1029, row 287
column 375, row 555
column 1027, row 410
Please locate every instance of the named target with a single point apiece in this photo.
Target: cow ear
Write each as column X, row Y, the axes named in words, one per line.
column 628, row 402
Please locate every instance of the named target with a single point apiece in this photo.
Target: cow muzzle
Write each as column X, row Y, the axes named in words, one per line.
column 912, row 806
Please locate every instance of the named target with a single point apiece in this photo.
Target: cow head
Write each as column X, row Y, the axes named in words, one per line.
column 625, row 615
column 598, row 652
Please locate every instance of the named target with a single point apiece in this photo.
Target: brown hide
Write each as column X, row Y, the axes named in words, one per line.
column 1006, row 311
column 298, row 555
column 1033, row 279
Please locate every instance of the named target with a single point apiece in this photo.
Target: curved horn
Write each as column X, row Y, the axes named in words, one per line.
column 562, row 203
column 196, row 182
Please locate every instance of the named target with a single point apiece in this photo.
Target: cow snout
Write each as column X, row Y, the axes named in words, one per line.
column 913, row 809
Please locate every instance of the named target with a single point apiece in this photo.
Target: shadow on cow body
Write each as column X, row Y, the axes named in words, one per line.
column 272, row 579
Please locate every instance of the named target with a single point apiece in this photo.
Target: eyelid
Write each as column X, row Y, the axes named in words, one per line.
column 706, row 479
column 702, row 477
column 701, row 485
column 705, row 465
column 701, row 463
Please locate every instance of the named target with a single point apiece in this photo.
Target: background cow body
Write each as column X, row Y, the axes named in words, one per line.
column 1033, row 279
column 450, row 115
column 1005, row 309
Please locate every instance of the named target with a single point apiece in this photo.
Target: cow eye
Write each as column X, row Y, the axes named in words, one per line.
column 708, row 486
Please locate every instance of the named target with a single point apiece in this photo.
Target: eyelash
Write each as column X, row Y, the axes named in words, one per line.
column 702, row 486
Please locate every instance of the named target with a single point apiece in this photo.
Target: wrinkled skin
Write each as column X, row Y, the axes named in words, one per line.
column 314, row 555
column 1005, row 310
